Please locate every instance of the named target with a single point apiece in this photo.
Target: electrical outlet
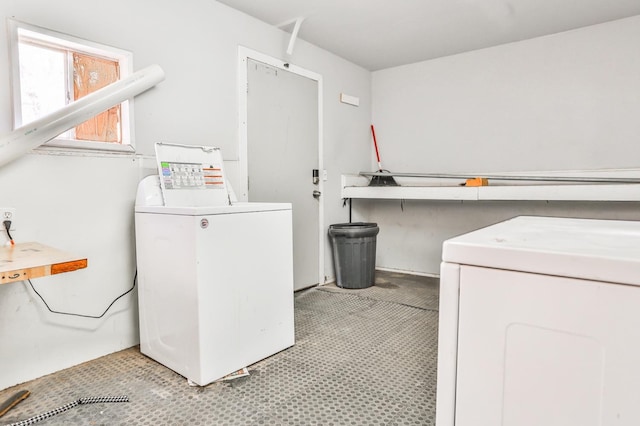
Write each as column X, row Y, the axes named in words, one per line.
column 7, row 213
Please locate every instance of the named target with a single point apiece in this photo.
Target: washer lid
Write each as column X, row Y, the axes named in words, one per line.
column 600, row 250
column 191, row 175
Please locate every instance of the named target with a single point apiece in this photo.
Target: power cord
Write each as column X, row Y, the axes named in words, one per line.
column 7, row 227
column 135, row 279
column 81, row 401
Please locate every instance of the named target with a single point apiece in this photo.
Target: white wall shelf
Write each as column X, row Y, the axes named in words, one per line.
column 355, row 186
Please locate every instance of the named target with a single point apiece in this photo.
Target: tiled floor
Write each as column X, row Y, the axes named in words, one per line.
column 362, row 357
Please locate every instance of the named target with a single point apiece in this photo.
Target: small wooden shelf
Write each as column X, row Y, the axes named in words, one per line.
column 33, row 260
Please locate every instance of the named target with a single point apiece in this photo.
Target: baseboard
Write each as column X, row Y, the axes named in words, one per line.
column 403, row 271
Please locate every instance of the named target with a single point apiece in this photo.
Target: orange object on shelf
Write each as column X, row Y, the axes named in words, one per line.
column 478, row 181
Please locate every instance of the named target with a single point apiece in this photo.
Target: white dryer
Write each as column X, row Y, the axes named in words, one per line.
column 540, row 324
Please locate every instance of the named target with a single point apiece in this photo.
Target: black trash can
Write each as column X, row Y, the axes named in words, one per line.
column 354, row 253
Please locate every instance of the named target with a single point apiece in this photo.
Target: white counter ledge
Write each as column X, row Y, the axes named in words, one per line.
column 356, row 186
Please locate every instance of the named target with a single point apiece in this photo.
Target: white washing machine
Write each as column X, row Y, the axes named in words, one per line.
column 540, row 324
column 215, row 282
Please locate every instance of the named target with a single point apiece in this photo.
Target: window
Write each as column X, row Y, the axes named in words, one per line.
column 51, row 70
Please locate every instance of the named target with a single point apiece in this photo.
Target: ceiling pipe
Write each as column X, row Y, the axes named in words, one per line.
column 294, row 34
column 23, row 139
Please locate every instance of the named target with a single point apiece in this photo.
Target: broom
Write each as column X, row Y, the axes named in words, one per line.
column 380, row 180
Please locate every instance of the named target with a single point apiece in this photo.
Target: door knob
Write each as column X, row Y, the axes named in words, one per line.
column 317, row 194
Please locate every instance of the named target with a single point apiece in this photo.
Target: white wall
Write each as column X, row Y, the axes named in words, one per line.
column 563, row 102
column 84, row 204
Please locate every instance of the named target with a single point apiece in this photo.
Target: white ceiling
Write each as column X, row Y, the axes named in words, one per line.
column 378, row 34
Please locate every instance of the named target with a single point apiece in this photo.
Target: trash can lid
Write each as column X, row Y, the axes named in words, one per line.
column 353, row 225
column 355, row 229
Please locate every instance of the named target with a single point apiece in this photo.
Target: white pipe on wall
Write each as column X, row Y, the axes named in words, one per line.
column 18, row 142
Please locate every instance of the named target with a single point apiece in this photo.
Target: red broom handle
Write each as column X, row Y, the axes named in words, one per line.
column 375, row 143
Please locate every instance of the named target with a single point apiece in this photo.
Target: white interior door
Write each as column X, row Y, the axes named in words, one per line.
column 282, row 151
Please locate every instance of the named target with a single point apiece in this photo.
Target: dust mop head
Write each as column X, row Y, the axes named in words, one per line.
column 382, row 180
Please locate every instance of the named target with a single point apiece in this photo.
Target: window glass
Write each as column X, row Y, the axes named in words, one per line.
column 42, row 81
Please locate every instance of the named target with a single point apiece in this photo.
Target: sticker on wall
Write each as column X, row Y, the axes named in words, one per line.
column 191, row 175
